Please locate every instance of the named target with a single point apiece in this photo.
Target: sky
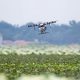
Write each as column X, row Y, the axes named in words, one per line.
column 24, row 11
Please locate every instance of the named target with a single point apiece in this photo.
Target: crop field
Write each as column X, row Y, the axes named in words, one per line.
column 62, row 61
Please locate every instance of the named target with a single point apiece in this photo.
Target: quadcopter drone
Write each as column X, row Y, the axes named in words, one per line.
column 42, row 26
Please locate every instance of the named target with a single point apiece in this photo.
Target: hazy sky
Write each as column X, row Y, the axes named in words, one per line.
column 22, row 11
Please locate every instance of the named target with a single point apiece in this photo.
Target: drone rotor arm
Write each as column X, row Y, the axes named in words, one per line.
column 30, row 26
column 53, row 21
column 35, row 25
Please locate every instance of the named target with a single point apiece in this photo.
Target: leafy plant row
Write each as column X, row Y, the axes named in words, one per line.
column 13, row 65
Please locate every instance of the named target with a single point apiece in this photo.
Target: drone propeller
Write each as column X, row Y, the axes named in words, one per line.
column 33, row 26
column 48, row 23
column 29, row 25
column 54, row 21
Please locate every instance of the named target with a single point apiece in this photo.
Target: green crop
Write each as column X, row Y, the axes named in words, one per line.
column 36, row 63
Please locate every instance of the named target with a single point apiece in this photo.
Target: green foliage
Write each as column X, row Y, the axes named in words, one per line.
column 14, row 65
column 31, row 60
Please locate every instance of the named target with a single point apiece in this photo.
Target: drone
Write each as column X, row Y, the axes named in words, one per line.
column 42, row 26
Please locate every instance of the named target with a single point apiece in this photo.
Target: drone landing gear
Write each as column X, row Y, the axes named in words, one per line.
column 43, row 33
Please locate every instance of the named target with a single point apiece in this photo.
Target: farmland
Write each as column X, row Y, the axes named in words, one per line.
column 63, row 61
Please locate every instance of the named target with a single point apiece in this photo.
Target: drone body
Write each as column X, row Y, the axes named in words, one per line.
column 42, row 26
